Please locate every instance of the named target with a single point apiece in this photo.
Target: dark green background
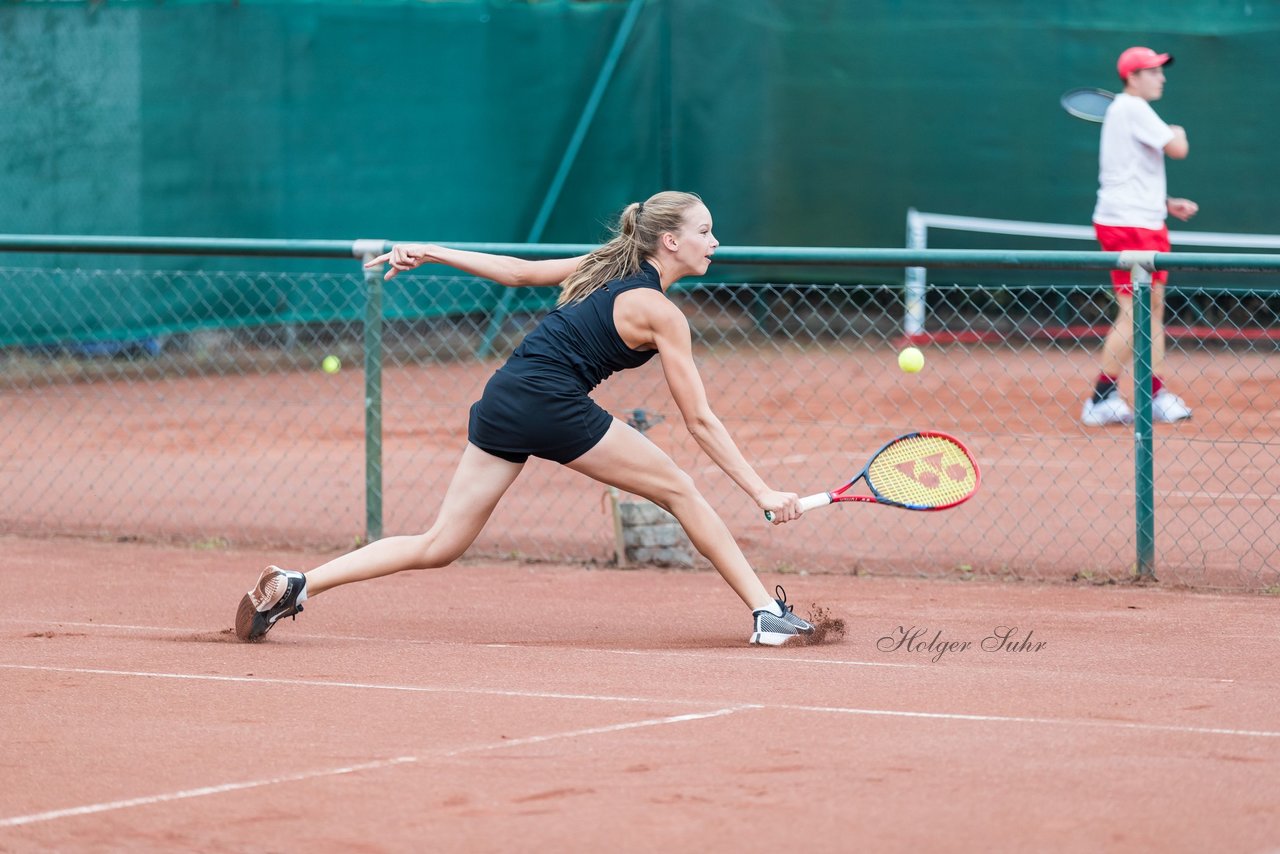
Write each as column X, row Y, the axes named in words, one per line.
column 801, row 122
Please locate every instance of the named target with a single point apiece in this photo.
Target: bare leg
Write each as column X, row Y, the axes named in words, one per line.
column 1117, row 350
column 479, row 482
column 626, row 459
column 1157, row 330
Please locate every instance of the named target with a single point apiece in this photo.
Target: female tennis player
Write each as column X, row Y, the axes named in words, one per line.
column 612, row 314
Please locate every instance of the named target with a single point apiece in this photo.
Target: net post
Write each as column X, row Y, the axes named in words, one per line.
column 1141, row 265
column 366, row 251
column 914, row 279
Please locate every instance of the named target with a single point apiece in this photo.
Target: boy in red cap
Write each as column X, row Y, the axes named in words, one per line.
column 1130, row 214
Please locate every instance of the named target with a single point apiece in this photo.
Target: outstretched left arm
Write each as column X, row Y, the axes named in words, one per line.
column 503, row 269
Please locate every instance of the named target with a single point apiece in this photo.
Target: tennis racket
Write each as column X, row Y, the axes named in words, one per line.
column 1088, row 104
column 917, row 471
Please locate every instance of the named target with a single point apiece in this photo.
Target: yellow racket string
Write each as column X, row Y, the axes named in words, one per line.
column 923, row 471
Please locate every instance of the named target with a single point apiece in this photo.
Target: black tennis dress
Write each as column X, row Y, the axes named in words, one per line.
column 537, row 404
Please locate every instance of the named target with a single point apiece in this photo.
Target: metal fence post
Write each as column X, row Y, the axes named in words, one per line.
column 366, row 251
column 1141, row 265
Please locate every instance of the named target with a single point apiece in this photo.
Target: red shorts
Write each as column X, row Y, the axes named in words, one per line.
column 1121, row 238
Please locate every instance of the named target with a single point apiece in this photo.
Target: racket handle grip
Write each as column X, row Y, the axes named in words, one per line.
column 809, row 502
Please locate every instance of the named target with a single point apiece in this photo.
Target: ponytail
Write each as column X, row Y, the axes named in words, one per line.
column 636, row 236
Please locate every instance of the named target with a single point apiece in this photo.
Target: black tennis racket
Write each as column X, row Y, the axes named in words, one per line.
column 916, row 471
column 1088, row 104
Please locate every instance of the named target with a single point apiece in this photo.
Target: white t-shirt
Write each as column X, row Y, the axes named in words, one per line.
column 1131, row 182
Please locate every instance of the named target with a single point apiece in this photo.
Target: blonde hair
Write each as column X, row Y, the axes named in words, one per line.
column 640, row 225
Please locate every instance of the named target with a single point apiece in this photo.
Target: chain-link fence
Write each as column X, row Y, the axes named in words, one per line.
column 193, row 407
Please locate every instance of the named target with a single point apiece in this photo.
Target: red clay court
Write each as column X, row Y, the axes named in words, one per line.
column 523, row 707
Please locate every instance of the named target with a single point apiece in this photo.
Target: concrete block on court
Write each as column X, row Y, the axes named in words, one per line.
column 645, row 534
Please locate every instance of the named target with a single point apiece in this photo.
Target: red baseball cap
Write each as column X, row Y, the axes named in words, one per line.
column 1138, row 58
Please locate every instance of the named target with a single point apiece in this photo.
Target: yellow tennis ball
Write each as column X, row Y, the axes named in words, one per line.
column 331, row 365
column 911, row 360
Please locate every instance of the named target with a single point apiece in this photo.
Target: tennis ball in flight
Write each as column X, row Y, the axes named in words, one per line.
column 911, row 360
column 331, row 364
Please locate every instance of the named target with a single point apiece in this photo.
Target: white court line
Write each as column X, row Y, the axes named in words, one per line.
column 421, row 642
column 539, row 739
column 204, row 791
column 108, row 806
column 768, row 657
column 944, row 716
column 1193, row 730
column 368, row 686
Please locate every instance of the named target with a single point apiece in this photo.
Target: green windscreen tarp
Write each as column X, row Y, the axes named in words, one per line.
column 800, row 123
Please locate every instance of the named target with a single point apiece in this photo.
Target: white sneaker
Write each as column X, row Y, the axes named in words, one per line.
column 772, row 630
column 1167, row 407
column 278, row 593
column 1110, row 410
